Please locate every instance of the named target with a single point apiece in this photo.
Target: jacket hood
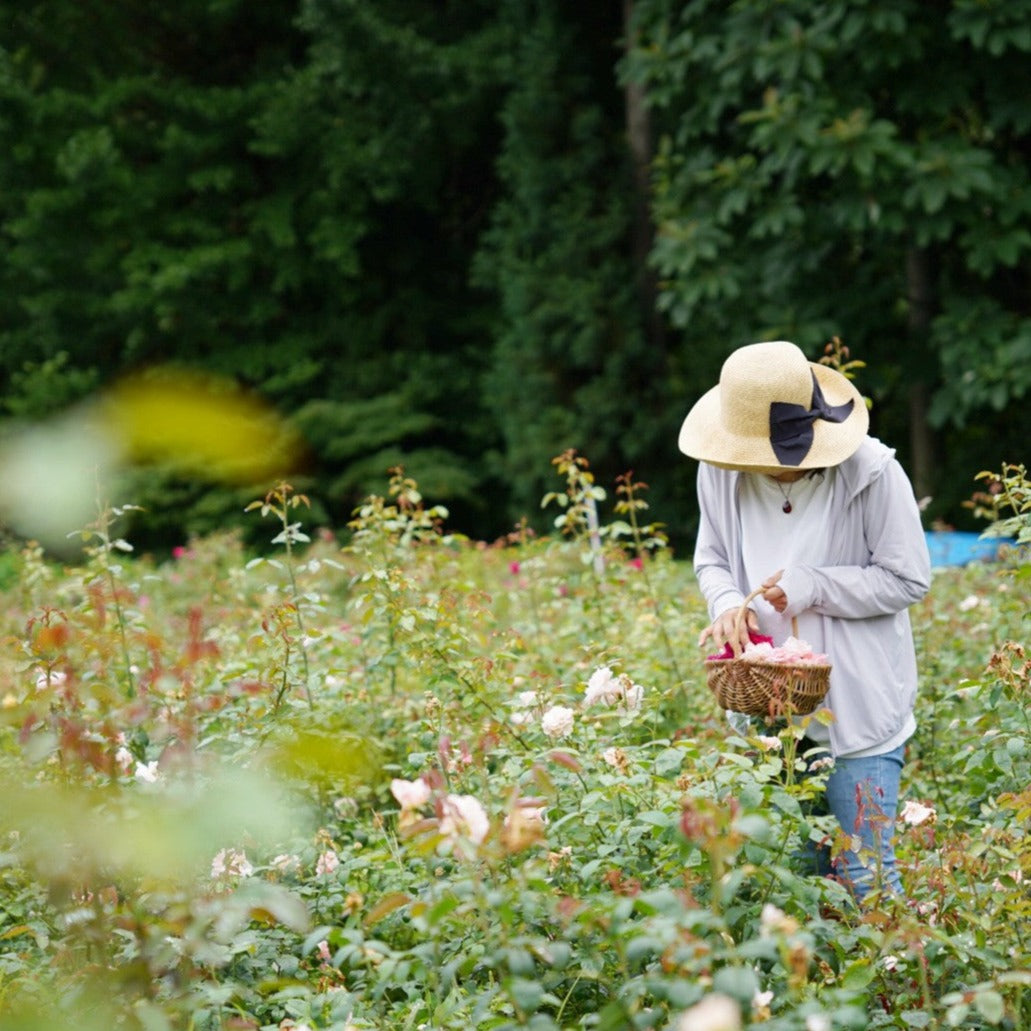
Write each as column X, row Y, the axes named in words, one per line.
column 865, row 466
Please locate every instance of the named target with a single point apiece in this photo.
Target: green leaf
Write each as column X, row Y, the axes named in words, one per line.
column 916, row 1018
column 858, row 975
column 526, row 994
column 739, row 983
column 991, row 1005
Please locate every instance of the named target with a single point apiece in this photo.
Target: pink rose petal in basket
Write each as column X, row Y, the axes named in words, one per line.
column 728, row 652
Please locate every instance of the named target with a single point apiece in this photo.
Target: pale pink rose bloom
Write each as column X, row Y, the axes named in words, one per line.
column 410, row 794
column 323, row 950
column 612, row 756
column 603, row 686
column 557, row 721
column 527, row 815
column 633, row 694
column 463, row 816
column 606, row 688
column 915, row 814
column 773, row 920
column 124, row 759
column 285, row 862
column 770, row 918
column 714, row 1013
column 229, row 862
column 327, row 862
column 761, row 999
column 147, row 772
column 54, row 679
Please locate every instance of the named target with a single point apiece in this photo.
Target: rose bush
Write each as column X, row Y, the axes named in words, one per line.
column 418, row 781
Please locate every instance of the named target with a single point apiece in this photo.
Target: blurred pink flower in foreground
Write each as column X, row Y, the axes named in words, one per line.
column 410, row 794
column 124, row 759
column 714, row 1013
column 463, row 816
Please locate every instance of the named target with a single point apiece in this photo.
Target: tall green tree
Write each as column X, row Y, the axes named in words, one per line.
column 573, row 366
column 289, row 194
column 857, row 169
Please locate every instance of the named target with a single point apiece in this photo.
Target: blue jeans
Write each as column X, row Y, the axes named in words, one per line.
column 863, row 794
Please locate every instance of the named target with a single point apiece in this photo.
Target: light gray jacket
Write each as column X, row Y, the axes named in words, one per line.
column 870, row 565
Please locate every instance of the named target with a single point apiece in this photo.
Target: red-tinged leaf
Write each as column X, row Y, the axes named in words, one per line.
column 30, row 724
column 413, row 830
column 566, row 760
column 386, row 905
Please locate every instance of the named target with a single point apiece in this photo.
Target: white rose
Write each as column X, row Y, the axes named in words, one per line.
column 557, row 721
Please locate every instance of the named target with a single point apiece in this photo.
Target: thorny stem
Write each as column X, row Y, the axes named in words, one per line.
column 102, row 531
column 478, row 696
column 288, row 544
column 631, row 504
column 279, row 500
column 122, row 635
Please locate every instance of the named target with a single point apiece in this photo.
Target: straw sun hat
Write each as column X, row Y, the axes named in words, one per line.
column 775, row 409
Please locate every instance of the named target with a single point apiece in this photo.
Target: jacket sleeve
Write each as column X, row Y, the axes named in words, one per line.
column 712, row 563
column 897, row 572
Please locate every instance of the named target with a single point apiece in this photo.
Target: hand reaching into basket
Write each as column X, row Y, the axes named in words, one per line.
column 725, row 629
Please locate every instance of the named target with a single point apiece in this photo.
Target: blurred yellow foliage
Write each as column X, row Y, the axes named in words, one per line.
column 199, row 424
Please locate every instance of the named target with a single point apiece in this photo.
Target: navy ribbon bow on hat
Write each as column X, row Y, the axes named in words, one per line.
column 791, row 426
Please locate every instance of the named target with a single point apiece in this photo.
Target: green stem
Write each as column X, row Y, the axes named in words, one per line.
column 123, row 636
column 295, row 599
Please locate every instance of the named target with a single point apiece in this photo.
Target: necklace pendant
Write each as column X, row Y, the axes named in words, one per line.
column 786, row 507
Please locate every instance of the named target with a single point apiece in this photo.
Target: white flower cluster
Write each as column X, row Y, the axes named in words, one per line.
column 606, row 688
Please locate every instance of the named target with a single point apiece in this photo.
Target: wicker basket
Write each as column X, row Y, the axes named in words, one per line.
column 770, row 689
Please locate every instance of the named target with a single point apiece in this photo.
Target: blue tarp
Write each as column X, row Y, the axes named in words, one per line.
column 957, row 548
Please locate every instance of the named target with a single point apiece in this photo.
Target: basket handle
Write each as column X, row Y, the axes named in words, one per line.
column 738, row 623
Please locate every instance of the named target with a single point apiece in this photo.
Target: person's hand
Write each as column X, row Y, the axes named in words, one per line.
column 773, row 594
column 724, row 631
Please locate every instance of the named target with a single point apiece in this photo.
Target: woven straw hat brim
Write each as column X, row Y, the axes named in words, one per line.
column 705, row 436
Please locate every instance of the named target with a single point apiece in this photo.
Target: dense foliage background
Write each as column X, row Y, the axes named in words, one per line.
column 464, row 236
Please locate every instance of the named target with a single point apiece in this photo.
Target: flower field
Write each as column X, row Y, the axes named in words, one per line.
column 422, row 782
